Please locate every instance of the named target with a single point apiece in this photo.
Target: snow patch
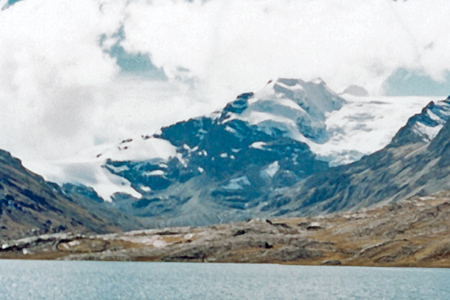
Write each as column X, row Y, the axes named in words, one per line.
column 438, row 113
column 364, row 125
column 181, row 160
column 92, row 174
column 229, row 129
column 258, row 145
column 145, row 188
column 118, row 169
column 154, row 173
column 237, row 183
column 270, row 170
column 428, row 133
column 433, row 116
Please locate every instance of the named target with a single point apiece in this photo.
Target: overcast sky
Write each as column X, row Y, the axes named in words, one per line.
column 85, row 72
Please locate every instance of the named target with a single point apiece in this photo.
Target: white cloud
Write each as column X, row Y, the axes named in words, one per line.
column 50, row 63
column 136, row 107
column 238, row 45
column 60, row 91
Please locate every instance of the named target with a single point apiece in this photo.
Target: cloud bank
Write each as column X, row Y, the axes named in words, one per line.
column 75, row 73
column 240, row 44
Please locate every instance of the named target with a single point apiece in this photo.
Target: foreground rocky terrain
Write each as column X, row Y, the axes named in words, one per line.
column 412, row 232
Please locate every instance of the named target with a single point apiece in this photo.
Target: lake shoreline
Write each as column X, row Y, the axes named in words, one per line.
column 18, row 258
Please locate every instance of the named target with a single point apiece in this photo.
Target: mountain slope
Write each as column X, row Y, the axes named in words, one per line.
column 410, row 165
column 29, row 205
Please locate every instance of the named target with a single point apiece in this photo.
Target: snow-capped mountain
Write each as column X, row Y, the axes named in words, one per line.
column 222, row 166
column 228, row 161
column 285, row 109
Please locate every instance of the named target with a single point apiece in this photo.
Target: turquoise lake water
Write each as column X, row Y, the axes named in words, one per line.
column 138, row 280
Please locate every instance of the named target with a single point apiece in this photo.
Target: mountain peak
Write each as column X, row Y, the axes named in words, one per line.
column 292, row 106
